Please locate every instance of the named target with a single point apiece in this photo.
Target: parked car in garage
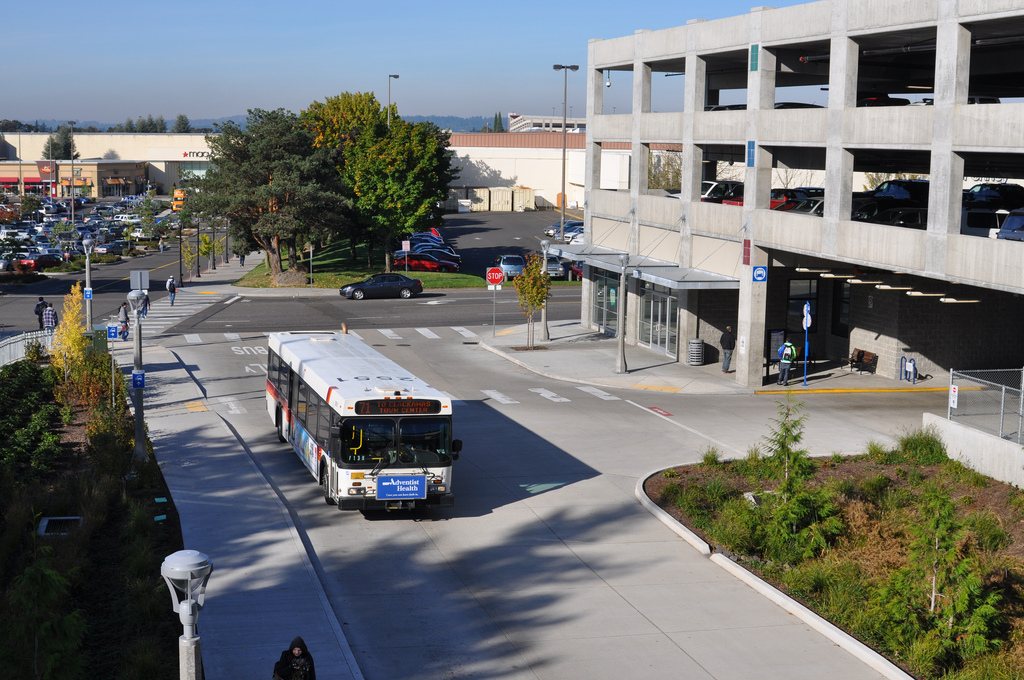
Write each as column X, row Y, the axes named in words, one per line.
column 383, row 286
column 991, row 196
column 1013, row 227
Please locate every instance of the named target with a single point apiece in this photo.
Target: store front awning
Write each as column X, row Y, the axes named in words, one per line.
column 78, row 182
column 8, row 180
column 645, row 268
column 33, row 180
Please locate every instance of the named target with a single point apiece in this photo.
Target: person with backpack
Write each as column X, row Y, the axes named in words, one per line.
column 122, row 317
column 40, row 306
column 787, row 355
column 172, row 288
column 50, row 321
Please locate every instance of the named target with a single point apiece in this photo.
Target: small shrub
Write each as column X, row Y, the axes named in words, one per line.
column 1017, row 501
column 671, row 473
column 738, row 527
column 711, row 458
column 922, row 447
column 34, row 352
column 754, row 467
column 872, row 488
column 958, row 472
column 915, row 478
column 843, row 488
column 878, row 452
column 988, row 530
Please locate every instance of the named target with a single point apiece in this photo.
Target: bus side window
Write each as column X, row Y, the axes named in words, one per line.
column 273, row 366
column 300, row 403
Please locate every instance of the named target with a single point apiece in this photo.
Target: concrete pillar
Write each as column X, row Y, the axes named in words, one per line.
column 750, row 326
column 842, row 96
column 952, row 76
column 688, row 322
column 190, row 663
column 592, row 170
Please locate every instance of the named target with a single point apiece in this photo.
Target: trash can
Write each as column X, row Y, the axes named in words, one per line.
column 695, row 354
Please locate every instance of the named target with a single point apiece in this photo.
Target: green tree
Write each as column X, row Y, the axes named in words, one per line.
column 498, row 126
column 59, row 145
column 30, row 205
column 532, row 288
column 181, row 124
column 270, row 180
column 938, row 606
column 791, row 463
column 147, row 211
column 399, row 181
column 160, row 125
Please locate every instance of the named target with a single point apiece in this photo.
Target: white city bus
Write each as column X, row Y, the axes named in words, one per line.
column 371, row 433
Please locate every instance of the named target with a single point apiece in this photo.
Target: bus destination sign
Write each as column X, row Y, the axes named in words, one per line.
column 397, row 407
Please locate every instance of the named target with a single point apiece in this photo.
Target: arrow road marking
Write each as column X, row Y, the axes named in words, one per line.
column 600, row 394
column 499, row 397
column 548, row 394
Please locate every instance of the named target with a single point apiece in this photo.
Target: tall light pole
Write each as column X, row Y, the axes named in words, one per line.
column 71, row 151
column 390, row 76
column 565, row 95
column 620, row 313
column 135, row 299
column 89, row 243
column 545, row 336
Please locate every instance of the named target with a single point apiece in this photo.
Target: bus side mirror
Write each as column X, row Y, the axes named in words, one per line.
column 336, row 431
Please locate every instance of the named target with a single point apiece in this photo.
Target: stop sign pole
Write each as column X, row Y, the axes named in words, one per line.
column 494, row 277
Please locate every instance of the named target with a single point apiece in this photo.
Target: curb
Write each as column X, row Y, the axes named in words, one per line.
column 840, row 638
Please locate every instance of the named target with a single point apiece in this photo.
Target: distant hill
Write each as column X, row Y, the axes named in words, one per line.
column 453, row 123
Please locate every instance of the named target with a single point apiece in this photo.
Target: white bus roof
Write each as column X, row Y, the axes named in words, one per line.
column 343, row 369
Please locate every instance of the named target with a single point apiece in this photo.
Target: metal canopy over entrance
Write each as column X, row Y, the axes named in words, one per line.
column 648, row 269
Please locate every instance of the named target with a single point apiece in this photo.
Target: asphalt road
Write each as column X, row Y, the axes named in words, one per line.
column 546, row 567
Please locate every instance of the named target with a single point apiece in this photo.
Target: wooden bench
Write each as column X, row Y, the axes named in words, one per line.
column 862, row 360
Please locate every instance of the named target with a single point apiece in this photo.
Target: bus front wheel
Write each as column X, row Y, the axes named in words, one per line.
column 280, row 427
column 325, row 490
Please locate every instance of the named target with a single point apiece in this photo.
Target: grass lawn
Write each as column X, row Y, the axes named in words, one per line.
column 333, row 268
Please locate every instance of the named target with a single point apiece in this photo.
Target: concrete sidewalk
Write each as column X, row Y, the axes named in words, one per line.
column 580, row 355
column 264, row 583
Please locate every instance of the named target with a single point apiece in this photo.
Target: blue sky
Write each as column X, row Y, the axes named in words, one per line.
column 218, row 58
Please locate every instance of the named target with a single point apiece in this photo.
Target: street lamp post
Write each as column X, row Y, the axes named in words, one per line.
column 198, row 274
column 213, row 245
column 620, row 361
column 390, row 76
column 135, row 299
column 180, row 249
column 89, row 243
column 565, row 95
column 545, row 336
column 186, row 574
column 72, row 154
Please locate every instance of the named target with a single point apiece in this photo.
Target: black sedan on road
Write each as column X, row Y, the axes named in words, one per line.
column 382, row 286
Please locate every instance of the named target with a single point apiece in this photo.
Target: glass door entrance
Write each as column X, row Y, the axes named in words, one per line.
column 658, row 314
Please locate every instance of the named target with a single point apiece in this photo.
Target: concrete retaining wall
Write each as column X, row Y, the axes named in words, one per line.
column 980, row 451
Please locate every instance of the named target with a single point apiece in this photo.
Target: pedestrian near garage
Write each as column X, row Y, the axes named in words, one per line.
column 787, row 355
column 172, row 288
column 728, row 345
column 50, row 322
column 296, row 663
column 145, row 306
column 40, row 306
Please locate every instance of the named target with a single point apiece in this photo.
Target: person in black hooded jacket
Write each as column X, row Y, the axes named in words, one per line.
column 296, row 662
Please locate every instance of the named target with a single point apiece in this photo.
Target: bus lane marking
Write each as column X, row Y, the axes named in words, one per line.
column 389, row 334
column 464, row 332
column 193, row 338
column 233, row 405
column 548, row 394
column 653, row 410
column 499, row 397
column 427, row 333
column 232, row 336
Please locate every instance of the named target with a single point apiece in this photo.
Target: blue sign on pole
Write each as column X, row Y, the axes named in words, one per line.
column 138, row 380
column 807, row 342
column 760, row 274
column 403, row 487
column 87, row 293
column 111, row 332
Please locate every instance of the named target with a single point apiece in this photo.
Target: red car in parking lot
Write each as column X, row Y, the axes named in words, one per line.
column 39, row 261
column 423, row 262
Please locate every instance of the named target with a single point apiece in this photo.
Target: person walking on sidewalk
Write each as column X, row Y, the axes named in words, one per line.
column 172, row 288
column 728, row 345
column 145, row 306
column 50, row 322
column 787, row 355
column 241, row 259
column 296, row 663
column 40, row 306
column 122, row 318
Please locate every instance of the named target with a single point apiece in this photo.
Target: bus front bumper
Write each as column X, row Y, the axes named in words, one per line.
column 363, row 503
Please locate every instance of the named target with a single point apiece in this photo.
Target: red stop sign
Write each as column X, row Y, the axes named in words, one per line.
column 495, row 276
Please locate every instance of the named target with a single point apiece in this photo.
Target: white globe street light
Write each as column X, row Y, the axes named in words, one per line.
column 186, row 574
column 89, row 243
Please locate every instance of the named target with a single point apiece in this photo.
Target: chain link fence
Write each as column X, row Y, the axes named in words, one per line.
column 988, row 400
column 13, row 348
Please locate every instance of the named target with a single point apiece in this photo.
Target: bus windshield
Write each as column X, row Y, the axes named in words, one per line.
column 398, row 442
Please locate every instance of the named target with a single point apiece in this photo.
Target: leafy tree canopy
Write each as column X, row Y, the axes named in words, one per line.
column 60, row 146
